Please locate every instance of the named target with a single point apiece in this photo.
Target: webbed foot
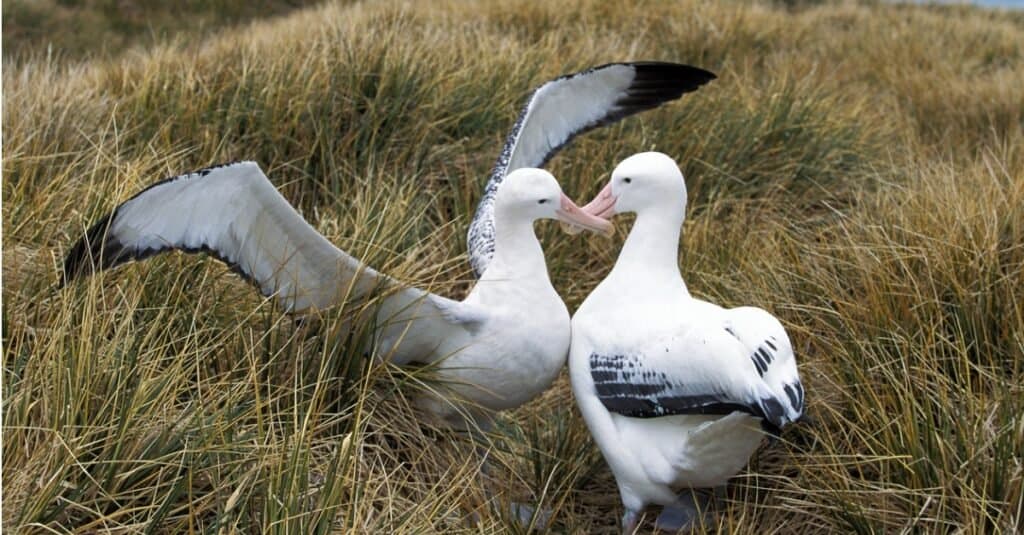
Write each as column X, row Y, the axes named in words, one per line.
column 690, row 511
column 529, row 516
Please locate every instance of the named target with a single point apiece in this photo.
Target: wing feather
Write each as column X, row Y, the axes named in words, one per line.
column 566, row 107
column 235, row 214
column 705, row 370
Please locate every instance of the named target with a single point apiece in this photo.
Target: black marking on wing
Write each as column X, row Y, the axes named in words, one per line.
column 759, row 363
column 625, row 387
column 763, row 355
column 795, row 393
column 99, row 250
column 794, row 398
column 481, row 228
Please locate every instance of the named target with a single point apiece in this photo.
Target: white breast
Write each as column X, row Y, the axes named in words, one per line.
column 520, row 350
column 651, row 457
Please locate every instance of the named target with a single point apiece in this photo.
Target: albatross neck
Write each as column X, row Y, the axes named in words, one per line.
column 517, row 252
column 651, row 250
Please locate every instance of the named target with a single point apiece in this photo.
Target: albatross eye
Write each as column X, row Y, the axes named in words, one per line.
column 627, row 180
column 542, row 201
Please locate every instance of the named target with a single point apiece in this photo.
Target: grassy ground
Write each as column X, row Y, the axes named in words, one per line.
column 87, row 29
column 857, row 170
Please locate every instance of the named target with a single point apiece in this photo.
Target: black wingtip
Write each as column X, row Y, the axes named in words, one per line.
column 773, row 431
column 655, row 83
column 677, row 72
column 95, row 251
column 658, row 82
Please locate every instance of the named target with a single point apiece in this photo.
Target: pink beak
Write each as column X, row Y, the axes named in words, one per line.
column 576, row 219
column 603, row 207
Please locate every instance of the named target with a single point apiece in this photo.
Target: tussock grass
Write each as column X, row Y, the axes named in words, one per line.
column 857, row 170
column 79, row 30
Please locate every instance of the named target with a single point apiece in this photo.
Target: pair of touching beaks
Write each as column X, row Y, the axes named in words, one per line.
column 595, row 214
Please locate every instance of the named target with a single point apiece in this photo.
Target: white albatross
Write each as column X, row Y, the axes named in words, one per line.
column 674, row 390
column 505, row 342
column 498, row 348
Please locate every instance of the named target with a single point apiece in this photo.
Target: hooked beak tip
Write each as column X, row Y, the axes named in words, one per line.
column 575, row 219
column 603, row 205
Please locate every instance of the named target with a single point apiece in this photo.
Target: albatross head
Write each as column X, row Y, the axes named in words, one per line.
column 530, row 194
column 641, row 182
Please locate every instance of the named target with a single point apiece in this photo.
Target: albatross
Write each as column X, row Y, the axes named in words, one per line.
column 677, row 392
column 500, row 346
column 504, row 343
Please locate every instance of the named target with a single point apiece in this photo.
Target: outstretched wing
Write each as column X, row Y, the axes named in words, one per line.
column 235, row 214
column 568, row 106
column 702, row 371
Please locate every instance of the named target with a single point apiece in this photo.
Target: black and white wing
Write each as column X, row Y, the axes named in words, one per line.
column 702, row 371
column 568, row 106
column 235, row 214
column 770, row 351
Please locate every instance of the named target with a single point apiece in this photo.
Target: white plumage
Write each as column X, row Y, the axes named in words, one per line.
column 674, row 390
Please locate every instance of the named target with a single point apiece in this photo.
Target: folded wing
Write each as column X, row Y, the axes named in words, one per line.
column 703, row 371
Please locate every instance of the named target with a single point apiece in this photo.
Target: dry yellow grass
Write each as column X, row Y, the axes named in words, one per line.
column 856, row 169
